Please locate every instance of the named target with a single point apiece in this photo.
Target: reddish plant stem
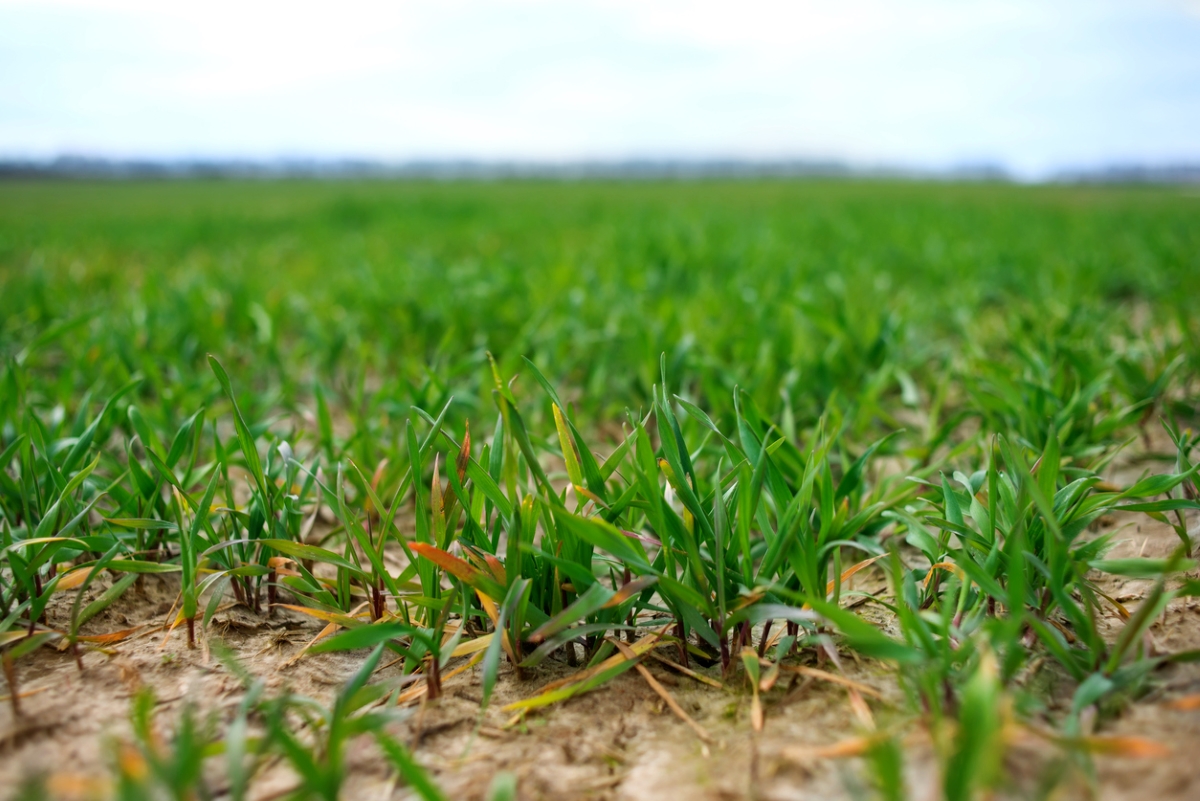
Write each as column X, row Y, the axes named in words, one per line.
column 522, row 673
column 572, row 659
column 766, row 635
column 271, row 592
column 379, row 599
column 683, row 654
column 433, row 681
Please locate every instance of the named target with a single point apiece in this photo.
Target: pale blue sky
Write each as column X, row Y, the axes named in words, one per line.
column 1032, row 85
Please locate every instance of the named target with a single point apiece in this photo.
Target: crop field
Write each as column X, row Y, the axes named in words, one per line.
column 710, row 490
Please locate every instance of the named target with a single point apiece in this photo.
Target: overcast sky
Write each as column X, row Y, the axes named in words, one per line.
column 1034, row 85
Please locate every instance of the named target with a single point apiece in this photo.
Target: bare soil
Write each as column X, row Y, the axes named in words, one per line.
column 618, row 742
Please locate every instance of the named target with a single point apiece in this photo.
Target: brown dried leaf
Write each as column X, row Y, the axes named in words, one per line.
column 851, row 747
column 687, row 671
column 75, row 578
column 1137, row 747
column 756, row 713
column 1185, row 704
column 850, row 571
column 464, row 455
column 834, row 678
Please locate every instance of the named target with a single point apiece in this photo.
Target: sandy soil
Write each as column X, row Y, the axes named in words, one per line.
column 619, row 742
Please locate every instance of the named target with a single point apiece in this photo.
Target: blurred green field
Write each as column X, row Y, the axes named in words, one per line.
column 730, row 399
column 792, row 291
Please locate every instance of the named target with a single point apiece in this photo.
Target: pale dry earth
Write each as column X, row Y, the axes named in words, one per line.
column 620, row 742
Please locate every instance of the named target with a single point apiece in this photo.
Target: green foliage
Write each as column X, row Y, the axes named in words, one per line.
column 817, row 379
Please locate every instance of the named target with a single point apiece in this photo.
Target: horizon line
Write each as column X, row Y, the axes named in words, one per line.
column 69, row 165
